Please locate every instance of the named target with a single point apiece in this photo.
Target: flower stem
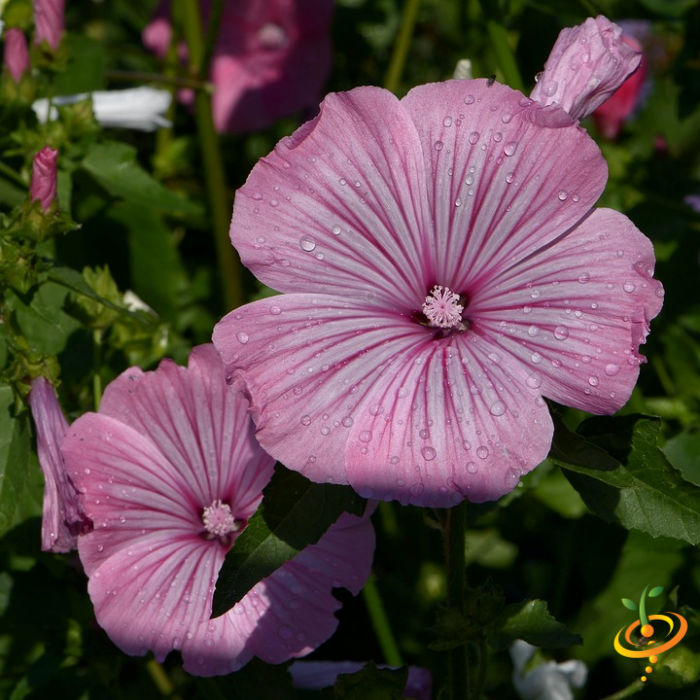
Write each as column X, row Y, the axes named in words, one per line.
column 403, row 43
column 455, row 563
column 629, row 691
column 380, row 623
column 504, row 54
column 161, row 679
column 219, row 202
column 96, row 376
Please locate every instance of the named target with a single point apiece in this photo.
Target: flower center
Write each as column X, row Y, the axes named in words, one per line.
column 219, row 522
column 442, row 309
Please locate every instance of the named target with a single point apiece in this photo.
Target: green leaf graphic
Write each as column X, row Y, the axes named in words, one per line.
column 656, row 591
column 629, row 603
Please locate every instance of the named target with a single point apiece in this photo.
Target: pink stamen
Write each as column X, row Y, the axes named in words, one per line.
column 442, row 308
column 219, row 520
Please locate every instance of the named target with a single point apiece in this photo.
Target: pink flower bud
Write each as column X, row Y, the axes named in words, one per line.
column 16, row 55
column 49, row 18
column 43, row 185
column 587, row 64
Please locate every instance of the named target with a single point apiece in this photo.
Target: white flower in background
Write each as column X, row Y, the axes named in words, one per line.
column 141, row 108
column 548, row 681
column 463, row 70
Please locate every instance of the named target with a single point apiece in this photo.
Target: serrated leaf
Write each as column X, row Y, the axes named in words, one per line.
column 372, row 683
column 655, row 591
column 114, row 166
column 294, row 514
column 618, row 469
column 532, row 622
column 629, row 604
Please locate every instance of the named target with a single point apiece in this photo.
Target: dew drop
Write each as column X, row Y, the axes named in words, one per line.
column 532, row 331
column 628, row 287
column 561, row 332
column 365, row 436
column 482, row 452
column 534, row 381
column 510, row 177
column 438, row 145
column 498, row 137
column 497, row 408
column 473, row 137
column 584, row 277
column 242, row 337
column 612, row 369
column 347, row 422
column 506, row 118
column 307, row 243
column 511, row 479
column 593, row 381
column 510, row 148
column 336, row 230
column 469, row 100
column 305, row 420
column 563, row 195
column 428, row 453
column 536, row 358
column 472, row 468
column 447, row 121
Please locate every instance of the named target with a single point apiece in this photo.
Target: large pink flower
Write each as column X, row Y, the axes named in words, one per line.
column 271, row 59
column 170, row 472
column 444, row 271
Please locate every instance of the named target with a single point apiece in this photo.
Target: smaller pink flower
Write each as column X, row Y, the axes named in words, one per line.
column 613, row 113
column 16, row 54
column 49, row 18
column 44, row 177
column 271, row 59
column 170, row 472
column 316, row 675
column 63, row 518
column 586, row 65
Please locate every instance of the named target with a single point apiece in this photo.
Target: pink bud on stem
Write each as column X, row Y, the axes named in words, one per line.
column 49, row 18
column 16, row 54
column 43, row 185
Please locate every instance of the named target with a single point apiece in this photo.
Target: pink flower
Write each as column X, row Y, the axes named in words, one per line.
column 587, row 64
column 316, row 675
column 271, row 59
column 63, row 518
column 170, row 472
column 44, row 177
column 613, row 113
column 49, row 18
column 443, row 271
column 16, row 54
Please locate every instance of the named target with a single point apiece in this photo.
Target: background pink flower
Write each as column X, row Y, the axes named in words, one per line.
column 271, row 59
column 15, row 53
column 170, row 472
column 44, row 177
column 50, row 21
column 360, row 216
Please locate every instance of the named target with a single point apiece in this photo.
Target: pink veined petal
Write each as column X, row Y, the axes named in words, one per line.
column 156, row 595
column 199, row 423
column 339, row 207
column 586, row 65
column 575, row 313
column 129, row 488
column 297, row 600
column 502, row 184
column 379, row 403
column 62, row 516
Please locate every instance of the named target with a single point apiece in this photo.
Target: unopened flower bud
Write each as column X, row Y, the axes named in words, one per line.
column 16, row 54
column 49, row 18
column 43, row 185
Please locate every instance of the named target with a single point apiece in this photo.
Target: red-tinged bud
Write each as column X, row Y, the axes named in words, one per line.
column 16, row 54
column 43, row 185
column 49, row 18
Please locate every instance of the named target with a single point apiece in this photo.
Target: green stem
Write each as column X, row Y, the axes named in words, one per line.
column 455, row 562
column 403, row 43
column 643, row 607
column 219, row 202
column 6, row 170
column 96, row 376
column 380, row 623
column 504, row 54
column 161, row 679
column 169, row 78
column 480, row 682
column 629, row 691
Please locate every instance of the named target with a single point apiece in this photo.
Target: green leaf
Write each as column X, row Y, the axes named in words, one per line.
column 114, row 166
column 86, row 68
column 682, row 451
column 255, row 680
column 655, row 591
column 669, row 8
column 623, row 476
column 294, row 513
column 15, row 447
column 372, row 683
column 630, row 604
column 532, row 622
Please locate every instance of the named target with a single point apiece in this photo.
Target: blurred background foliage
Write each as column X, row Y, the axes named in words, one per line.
column 148, row 231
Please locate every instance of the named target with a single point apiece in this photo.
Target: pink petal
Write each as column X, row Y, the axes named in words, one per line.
column 494, row 195
column 15, row 53
column 156, row 595
column 339, row 207
column 297, row 601
column 199, row 424
column 575, row 313
column 587, row 64
column 63, row 518
column 352, row 395
column 44, row 177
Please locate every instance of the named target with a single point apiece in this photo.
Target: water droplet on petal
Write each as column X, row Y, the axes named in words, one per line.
column 511, row 479
column 447, row 121
column 473, row 137
column 628, row 287
column 438, row 145
column 612, row 369
column 305, row 420
column 534, row 381
column 307, row 243
column 472, row 468
column 482, row 452
column 509, row 148
column 469, row 100
column 428, row 453
column 347, row 422
column 365, row 436
column 532, row 331
column 593, row 381
column 497, row 408
column 561, row 332
column 584, row 277
column 498, row 137
column 510, row 177
column 506, row 118
column 563, row 195
column 242, row 337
